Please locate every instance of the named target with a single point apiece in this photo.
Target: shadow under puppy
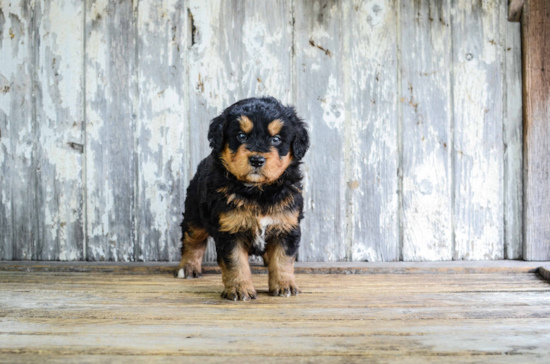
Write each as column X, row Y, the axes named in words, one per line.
column 247, row 195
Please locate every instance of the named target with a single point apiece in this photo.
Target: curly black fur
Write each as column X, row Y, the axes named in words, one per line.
column 214, row 190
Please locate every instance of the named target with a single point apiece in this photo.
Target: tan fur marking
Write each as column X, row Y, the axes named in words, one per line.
column 238, row 220
column 275, row 127
column 281, row 271
column 238, row 165
column 222, row 190
column 237, row 162
column 194, row 243
column 283, row 221
column 237, row 279
column 278, row 207
column 275, row 166
column 247, row 219
column 266, row 259
column 246, row 124
column 281, row 206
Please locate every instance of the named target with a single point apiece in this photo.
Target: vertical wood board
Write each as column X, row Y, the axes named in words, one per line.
column 161, row 130
column 426, row 102
column 536, row 69
column 58, row 97
column 478, row 143
column 110, row 169
column 18, row 214
column 320, row 99
column 371, row 130
column 513, row 141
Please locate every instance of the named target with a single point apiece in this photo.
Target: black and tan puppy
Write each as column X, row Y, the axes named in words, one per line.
column 247, row 195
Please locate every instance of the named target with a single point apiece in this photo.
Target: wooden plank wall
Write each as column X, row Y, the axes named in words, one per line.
column 414, row 110
column 536, row 65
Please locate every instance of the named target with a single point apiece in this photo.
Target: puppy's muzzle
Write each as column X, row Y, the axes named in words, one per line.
column 256, row 161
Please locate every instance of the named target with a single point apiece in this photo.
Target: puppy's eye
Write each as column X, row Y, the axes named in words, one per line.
column 241, row 137
column 276, row 140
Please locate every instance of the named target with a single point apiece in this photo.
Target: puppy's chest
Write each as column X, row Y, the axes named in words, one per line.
column 261, row 225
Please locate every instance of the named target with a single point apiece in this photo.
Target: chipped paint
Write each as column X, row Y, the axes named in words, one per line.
column 333, row 106
column 427, row 123
column 396, row 87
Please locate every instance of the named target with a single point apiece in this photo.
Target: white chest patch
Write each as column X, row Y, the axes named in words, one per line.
column 264, row 222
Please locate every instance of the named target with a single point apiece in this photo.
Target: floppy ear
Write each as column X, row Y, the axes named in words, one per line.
column 300, row 144
column 215, row 133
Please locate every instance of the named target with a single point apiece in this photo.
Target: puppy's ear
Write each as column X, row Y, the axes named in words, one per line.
column 215, row 133
column 300, row 144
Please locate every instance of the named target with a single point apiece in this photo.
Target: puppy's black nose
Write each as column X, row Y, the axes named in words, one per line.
column 256, row 161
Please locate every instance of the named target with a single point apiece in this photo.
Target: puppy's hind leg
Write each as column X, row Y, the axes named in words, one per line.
column 192, row 252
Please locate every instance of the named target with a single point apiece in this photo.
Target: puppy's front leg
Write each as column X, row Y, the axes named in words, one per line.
column 281, row 269
column 236, row 275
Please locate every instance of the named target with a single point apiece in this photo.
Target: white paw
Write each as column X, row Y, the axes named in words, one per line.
column 181, row 273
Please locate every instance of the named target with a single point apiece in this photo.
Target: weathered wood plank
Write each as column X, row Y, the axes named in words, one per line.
column 18, row 208
column 371, row 132
column 426, row 102
column 238, row 50
column 8, row 72
column 59, row 112
column 513, row 140
column 94, row 315
column 319, row 84
column 433, row 293
column 536, row 88
column 161, row 130
column 478, row 143
column 110, row 164
column 29, row 358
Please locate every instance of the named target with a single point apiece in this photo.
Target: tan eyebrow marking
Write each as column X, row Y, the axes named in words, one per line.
column 275, row 127
column 246, row 124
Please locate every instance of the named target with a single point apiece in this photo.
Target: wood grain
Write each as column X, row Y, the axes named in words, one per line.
column 59, row 114
column 371, row 150
column 18, row 159
column 513, row 141
column 478, row 142
column 536, row 88
column 92, row 317
column 414, row 112
column 319, row 84
column 110, row 125
column 162, row 139
column 426, row 103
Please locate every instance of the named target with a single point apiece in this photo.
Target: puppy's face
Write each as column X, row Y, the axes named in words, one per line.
column 259, row 139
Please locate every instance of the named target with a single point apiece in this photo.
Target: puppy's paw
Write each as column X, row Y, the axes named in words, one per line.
column 188, row 272
column 284, row 289
column 240, row 292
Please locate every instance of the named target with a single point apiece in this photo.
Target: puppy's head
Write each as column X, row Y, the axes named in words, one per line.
column 258, row 138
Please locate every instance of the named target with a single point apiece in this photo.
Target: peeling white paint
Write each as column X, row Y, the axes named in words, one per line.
column 478, row 147
column 345, row 85
column 333, row 107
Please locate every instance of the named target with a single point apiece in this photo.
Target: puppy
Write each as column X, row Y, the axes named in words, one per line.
column 247, row 195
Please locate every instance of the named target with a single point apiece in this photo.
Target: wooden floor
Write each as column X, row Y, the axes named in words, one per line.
column 380, row 318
